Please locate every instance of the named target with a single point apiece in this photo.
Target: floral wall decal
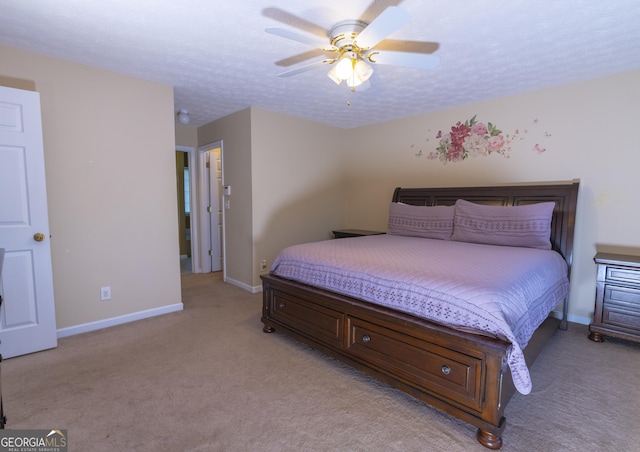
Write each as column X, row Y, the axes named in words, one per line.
column 539, row 149
column 472, row 139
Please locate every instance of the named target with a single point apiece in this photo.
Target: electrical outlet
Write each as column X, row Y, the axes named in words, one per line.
column 105, row 293
column 263, row 265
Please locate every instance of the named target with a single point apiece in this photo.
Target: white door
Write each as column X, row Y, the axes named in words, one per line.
column 27, row 315
column 215, row 185
column 210, row 196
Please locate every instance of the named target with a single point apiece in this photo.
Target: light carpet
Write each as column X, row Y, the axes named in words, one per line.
column 209, row 379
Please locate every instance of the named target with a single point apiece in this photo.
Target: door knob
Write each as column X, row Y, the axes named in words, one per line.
column 38, row 236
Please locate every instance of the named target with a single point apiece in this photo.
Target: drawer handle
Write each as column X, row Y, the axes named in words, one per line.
column 446, row 369
column 281, row 305
column 366, row 338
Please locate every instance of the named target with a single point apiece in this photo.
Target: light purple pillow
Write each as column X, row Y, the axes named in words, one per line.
column 431, row 222
column 527, row 226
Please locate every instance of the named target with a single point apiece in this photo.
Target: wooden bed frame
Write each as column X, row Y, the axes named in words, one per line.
column 460, row 373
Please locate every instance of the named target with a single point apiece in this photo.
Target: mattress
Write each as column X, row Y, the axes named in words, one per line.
column 501, row 291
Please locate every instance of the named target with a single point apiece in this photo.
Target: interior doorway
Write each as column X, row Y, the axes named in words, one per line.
column 184, row 192
column 199, row 176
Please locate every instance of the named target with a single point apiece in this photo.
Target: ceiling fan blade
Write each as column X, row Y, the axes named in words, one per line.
column 376, row 7
column 304, row 39
column 289, row 19
column 299, row 58
column 406, row 59
column 408, row 46
column 382, row 26
column 306, row 68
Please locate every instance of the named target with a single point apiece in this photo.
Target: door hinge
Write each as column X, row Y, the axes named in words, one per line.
column 209, row 209
column 208, row 164
column 210, row 252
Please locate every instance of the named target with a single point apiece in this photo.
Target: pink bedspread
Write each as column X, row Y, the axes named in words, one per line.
column 502, row 291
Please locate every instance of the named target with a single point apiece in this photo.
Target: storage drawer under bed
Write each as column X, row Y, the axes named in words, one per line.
column 309, row 319
column 430, row 367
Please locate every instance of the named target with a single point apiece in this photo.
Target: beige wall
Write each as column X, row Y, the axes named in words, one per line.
column 588, row 131
column 298, row 183
column 110, row 168
column 186, row 135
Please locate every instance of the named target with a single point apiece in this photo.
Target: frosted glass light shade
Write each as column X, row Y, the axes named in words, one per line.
column 362, row 70
column 353, row 71
column 344, row 68
column 333, row 75
column 183, row 116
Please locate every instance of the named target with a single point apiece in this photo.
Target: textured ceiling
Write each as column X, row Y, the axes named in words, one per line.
column 219, row 59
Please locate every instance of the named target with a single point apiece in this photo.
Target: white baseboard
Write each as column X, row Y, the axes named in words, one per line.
column 573, row 318
column 100, row 324
column 252, row 289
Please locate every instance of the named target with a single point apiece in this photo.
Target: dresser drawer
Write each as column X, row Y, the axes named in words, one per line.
column 616, row 316
column 625, row 275
column 620, row 295
column 621, row 307
column 437, row 370
column 309, row 319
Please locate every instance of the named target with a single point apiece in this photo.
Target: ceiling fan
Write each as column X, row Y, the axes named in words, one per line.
column 355, row 45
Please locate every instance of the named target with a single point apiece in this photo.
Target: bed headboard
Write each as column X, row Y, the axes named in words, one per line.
column 564, row 194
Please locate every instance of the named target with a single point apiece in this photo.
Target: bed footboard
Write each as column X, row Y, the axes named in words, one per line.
column 459, row 373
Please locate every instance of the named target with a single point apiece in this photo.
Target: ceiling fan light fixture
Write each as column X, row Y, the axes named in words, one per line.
column 344, row 68
column 362, row 70
column 352, row 69
column 354, row 81
column 333, row 74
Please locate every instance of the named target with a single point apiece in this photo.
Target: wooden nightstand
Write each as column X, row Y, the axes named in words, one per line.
column 617, row 311
column 344, row 233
